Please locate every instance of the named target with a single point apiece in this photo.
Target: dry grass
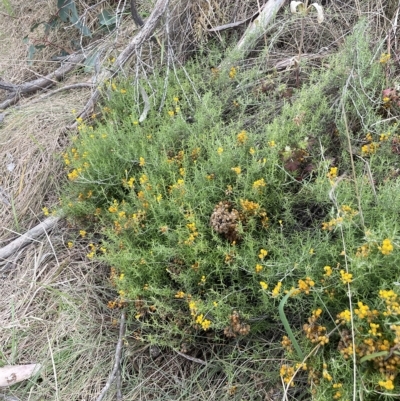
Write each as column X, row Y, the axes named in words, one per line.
column 52, row 304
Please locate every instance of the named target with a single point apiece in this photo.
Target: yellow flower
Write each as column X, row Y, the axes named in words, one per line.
column 277, row 289
column 388, row 384
column 82, row 233
column 180, row 294
column 171, row 113
column 237, row 170
column 328, row 271
column 242, row 137
column 123, row 91
column 263, row 253
column 141, row 161
column 385, row 57
column 73, row 175
column 264, row 285
column 259, row 184
column 46, row 211
column 220, row 150
column 90, row 255
column 346, row 277
column 332, row 173
column 143, row 179
column 206, row 324
column 252, row 151
column 176, row 99
column 258, row 268
column 386, row 248
column 70, row 244
column 249, row 207
column 232, row 73
column 271, row 144
column 345, row 316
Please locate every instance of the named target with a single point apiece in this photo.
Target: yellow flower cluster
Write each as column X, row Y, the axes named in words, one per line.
column 328, row 271
column 346, row 277
column 387, row 247
column 330, row 225
column 306, row 285
column 363, row 311
column 193, row 233
column 178, row 186
column 325, row 373
column 391, row 301
column 385, row 57
column 92, row 252
column 332, row 173
column 369, row 148
column 315, row 332
column 204, row 323
column 259, row 184
column 242, row 137
column 263, row 253
column 363, row 251
column 287, row 374
column 277, row 289
column 258, row 268
column 388, row 384
column 237, row 170
column 337, row 394
column 232, row 72
column 374, row 330
column 286, row 344
column 249, row 207
column 264, row 285
column 344, row 317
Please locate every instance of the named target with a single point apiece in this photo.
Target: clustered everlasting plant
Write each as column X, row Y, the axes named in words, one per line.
column 215, row 226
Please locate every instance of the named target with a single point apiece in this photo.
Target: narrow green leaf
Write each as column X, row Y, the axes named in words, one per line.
column 373, row 356
column 107, row 18
column 287, row 326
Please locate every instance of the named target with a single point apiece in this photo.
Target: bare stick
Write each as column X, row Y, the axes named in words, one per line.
column 118, row 352
column 197, row 360
column 40, row 83
column 235, row 24
column 144, row 34
column 28, row 237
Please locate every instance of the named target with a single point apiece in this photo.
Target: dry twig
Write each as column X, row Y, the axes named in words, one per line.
column 118, row 352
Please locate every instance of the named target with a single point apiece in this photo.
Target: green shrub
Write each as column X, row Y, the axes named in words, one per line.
column 207, row 221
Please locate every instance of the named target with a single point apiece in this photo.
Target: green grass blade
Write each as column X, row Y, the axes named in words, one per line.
column 287, row 326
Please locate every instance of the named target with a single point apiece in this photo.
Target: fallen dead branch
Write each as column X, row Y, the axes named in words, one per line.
column 191, row 358
column 28, row 237
column 16, row 91
column 118, row 352
column 235, row 24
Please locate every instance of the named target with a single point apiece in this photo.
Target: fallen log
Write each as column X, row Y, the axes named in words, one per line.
column 25, row 239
